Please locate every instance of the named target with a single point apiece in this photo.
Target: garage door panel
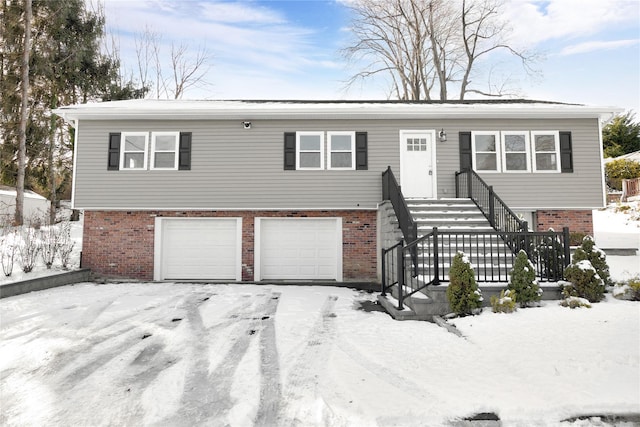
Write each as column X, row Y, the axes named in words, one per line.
column 300, row 248
column 200, row 249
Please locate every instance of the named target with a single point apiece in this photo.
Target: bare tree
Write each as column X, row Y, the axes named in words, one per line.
column 22, row 132
column 483, row 33
column 428, row 47
column 148, row 55
column 185, row 68
column 188, row 71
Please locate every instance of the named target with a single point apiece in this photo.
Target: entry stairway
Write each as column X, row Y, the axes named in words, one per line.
column 451, row 215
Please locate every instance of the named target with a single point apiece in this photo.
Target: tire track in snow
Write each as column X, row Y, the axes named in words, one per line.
column 207, row 396
column 117, row 341
column 141, row 360
column 304, row 374
column 270, row 387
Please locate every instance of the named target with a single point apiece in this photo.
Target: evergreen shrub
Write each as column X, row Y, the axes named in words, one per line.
column 598, row 259
column 523, row 283
column 463, row 293
column 550, row 255
column 585, row 282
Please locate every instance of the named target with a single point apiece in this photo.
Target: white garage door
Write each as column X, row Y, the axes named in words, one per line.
column 198, row 249
column 298, row 248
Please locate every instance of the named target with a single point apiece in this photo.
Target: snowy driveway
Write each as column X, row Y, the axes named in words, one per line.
column 243, row 355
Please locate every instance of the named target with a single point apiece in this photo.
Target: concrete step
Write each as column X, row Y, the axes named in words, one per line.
column 425, row 229
column 471, row 213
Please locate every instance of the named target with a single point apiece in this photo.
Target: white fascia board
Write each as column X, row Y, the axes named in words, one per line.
column 239, row 110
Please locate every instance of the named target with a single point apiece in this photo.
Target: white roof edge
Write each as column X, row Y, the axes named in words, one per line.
column 248, row 110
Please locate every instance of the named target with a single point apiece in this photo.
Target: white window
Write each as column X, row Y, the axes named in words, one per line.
column 341, row 149
column 164, row 150
column 310, row 150
column 133, row 154
column 515, row 151
column 546, row 153
column 485, row 151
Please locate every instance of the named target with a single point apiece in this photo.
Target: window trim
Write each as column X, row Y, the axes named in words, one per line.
column 175, row 151
column 527, row 148
column 556, row 135
column 474, row 152
column 331, row 151
column 298, row 151
column 123, row 150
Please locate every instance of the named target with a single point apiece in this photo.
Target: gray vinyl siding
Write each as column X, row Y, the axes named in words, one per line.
column 236, row 168
column 528, row 191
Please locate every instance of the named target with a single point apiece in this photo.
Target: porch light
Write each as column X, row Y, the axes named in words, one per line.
column 246, row 125
column 443, row 136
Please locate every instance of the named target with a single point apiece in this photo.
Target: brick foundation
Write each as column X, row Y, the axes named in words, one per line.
column 578, row 221
column 121, row 243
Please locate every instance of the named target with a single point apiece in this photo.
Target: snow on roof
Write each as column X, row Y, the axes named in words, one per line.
column 634, row 156
column 323, row 109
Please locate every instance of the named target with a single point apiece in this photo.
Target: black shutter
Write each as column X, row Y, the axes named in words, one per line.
column 289, row 151
column 466, row 161
column 361, row 151
column 184, row 151
column 113, row 161
column 566, row 153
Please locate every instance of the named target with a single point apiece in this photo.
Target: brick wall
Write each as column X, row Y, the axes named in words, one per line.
column 121, row 243
column 580, row 221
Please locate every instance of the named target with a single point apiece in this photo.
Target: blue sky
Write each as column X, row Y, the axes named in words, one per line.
column 291, row 49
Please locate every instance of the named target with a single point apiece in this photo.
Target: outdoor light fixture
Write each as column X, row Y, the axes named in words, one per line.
column 443, row 136
column 246, row 125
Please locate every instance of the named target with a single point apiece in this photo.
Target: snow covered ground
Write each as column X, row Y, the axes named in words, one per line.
column 242, row 355
column 616, row 228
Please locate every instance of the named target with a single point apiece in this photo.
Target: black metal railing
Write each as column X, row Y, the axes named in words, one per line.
column 391, row 191
column 470, row 185
column 409, row 276
column 492, row 253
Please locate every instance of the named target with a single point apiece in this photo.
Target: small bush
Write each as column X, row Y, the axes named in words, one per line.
column 463, row 293
column 506, row 303
column 617, row 170
column 523, row 284
column 575, row 302
column 598, row 259
column 28, row 248
column 49, row 244
column 8, row 248
column 629, row 290
column 575, row 238
column 585, row 282
column 66, row 244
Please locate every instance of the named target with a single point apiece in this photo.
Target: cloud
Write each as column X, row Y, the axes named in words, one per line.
column 535, row 21
column 246, row 33
column 591, row 46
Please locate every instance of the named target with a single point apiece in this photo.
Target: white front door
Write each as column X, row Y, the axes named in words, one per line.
column 417, row 163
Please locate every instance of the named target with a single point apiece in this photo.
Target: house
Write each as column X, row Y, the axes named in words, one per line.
column 35, row 205
column 291, row 190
